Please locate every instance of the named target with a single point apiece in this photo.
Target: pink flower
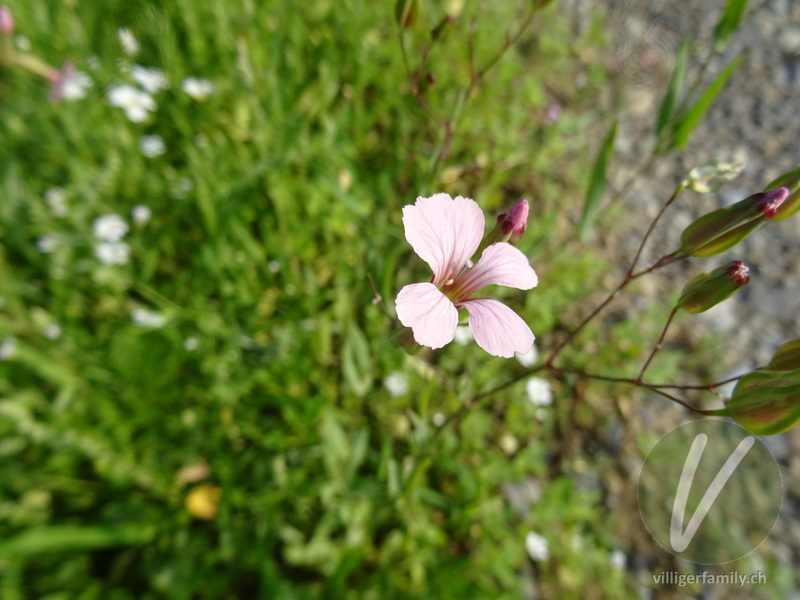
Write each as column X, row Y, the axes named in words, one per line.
column 445, row 233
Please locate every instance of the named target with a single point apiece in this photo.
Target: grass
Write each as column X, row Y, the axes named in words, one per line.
column 249, row 448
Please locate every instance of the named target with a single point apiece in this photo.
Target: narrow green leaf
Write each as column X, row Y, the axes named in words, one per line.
column 674, row 90
column 62, row 538
column 688, row 122
column 357, row 362
column 597, row 183
column 728, row 23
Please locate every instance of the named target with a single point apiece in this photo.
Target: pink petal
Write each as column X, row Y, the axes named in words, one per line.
column 498, row 329
column 500, row 264
column 429, row 313
column 444, row 232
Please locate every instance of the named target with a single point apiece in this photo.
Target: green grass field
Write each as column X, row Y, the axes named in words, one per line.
column 198, row 408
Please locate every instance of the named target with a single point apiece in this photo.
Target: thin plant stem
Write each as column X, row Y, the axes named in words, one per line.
column 658, row 345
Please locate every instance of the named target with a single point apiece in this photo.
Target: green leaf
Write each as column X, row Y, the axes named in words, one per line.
column 597, row 183
column 674, row 91
column 687, row 124
column 61, row 538
column 357, row 362
column 728, row 23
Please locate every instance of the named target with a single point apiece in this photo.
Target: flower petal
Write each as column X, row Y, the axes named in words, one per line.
column 429, row 313
column 500, row 264
column 444, row 232
column 498, row 329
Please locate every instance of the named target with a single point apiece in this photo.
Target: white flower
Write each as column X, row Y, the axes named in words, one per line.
column 463, row 335
column 152, row 145
column 529, row 359
column 148, row 318
column 56, row 199
column 128, row 41
column 152, row 80
column 618, row 559
column 141, row 214
column 135, row 103
column 539, row 391
column 439, row 419
column 112, row 253
column 199, row 89
column 52, row 331
column 110, row 228
column 396, row 384
column 537, row 547
column 183, row 186
column 191, row 343
column 70, row 84
column 8, row 347
column 46, row 244
column 22, row 43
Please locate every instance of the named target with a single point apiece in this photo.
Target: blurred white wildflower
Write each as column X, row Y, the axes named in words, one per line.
column 463, row 335
column 509, row 444
column 191, row 343
column 70, row 84
column 273, row 266
column 199, row 89
column 112, row 253
column 8, row 347
column 529, row 358
column 110, row 228
column 152, row 146
column 541, row 414
column 52, row 331
column 152, row 80
column 439, row 419
column 148, row 318
column 128, row 41
column 135, row 103
column 539, row 391
column 93, row 62
column 56, row 199
column 46, row 244
column 183, row 186
column 22, row 43
column 141, row 214
column 396, row 384
column 537, row 547
column 618, row 559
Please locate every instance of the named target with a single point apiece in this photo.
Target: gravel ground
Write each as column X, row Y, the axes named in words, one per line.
column 754, row 121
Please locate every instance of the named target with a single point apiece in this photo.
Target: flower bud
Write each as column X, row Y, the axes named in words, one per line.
column 791, row 205
column 6, row 21
column 712, row 176
column 439, row 33
column 766, row 402
column 787, row 358
column 406, row 13
column 514, row 223
column 709, row 289
column 724, row 228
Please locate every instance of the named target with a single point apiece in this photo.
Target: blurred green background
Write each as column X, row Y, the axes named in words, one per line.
column 238, row 439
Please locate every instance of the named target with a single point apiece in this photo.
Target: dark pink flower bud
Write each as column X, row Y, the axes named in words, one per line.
column 722, row 229
column 769, row 204
column 6, row 21
column 709, row 289
column 514, row 223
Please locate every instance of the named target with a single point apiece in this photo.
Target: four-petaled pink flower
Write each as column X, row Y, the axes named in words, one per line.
column 445, row 233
